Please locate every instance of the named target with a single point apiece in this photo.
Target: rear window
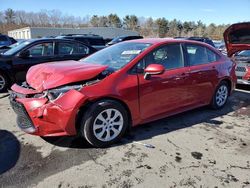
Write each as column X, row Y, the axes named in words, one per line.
column 84, row 40
column 198, row 55
column 89, row 41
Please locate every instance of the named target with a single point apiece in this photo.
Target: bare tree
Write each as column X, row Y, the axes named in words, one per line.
column 1, row 17
column 148, row 27
column 94, row 21
column 130, row 22
column 114, row 20
column 43, row 18
column 20, row 17
column 103, row 21
column 55, row 17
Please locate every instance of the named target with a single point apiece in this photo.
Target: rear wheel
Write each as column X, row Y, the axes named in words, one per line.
column 3, row 82
column 221, row 95
column 104, row 123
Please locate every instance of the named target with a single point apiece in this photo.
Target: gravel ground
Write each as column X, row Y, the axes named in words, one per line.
column 199, row 148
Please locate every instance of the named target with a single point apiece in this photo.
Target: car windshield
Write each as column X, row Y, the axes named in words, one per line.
column 17, row 48
column 118, row 55
column 16, row 44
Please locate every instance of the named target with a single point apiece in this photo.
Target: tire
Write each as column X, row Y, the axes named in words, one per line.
column 220, row 96
column 3, row 82
column 104, row 123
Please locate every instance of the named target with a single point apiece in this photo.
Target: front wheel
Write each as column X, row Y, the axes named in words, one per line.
column 104, row 123
column 221, row 95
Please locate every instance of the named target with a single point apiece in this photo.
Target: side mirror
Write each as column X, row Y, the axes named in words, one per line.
column 24, row 54
column 153, row 69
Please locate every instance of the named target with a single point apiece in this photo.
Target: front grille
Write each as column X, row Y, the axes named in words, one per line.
column 23, row 119
column 239, row 77
column 241, row 69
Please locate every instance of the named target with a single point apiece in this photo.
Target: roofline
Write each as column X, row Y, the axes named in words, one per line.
column 160, row 41
column 68, row 28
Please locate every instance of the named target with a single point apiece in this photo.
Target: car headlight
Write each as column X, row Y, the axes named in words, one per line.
column 54, row 94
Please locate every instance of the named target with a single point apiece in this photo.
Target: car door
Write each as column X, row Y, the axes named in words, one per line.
column 203, row 71
column 71, row 51
column 34, row 54
column 168, row 92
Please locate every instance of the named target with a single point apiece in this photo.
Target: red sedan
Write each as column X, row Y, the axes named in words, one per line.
column 124, row 85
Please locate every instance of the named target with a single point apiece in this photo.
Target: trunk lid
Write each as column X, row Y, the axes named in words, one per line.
column 237, row 38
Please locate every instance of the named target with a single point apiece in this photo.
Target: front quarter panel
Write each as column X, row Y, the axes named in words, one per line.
column 54, row 118
column 118, row 86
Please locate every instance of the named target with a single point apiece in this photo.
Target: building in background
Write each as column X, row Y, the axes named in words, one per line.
column 38, row 32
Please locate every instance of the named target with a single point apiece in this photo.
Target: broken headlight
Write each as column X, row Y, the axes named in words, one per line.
column 54, row 94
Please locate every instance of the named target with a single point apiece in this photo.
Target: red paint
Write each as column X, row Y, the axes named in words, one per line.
column 171, row 92
column 51, row 75
column 231, row 32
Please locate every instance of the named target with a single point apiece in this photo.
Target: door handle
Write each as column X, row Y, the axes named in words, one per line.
column 195, row 71
column 177, row 78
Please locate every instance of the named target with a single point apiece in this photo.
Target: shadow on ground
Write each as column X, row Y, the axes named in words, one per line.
column 9, row 151
column 163, row 126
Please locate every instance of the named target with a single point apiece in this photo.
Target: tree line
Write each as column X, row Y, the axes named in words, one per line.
column 148, row 27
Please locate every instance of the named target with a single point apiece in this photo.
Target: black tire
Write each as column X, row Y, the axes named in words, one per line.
column 215, row 104
column 90, row 116
column 4, row 81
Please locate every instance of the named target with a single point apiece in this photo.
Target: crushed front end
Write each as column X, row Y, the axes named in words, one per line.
column 48, row 113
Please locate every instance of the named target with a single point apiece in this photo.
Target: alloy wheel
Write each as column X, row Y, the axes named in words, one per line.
column 2, row 82
column 108, row 124
column 221, row 95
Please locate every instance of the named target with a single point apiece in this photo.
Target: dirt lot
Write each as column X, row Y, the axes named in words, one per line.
column 199, row 148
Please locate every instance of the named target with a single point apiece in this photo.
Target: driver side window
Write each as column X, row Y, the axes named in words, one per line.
column 170, row 56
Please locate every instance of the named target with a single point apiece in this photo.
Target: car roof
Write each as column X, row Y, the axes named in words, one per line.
column 57, row 40
column 167, row 40
column 124, row 36
column 88, row 36
column 49, row 40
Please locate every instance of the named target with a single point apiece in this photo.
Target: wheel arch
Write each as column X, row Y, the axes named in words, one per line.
column 86, row 105
column 229, row 82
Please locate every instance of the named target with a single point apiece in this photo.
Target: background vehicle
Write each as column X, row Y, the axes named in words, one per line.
column 15, row 62
column 105, row 93
column 200, row 39
column 122, row 38
column 95, row 41
column 237, row 41
column 242, row 60
column 5, row 40
column 222, row 48
column 6, row 48
column 243, row 54
column 217, row 43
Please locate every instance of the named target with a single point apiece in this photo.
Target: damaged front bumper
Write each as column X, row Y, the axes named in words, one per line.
column 43, row 117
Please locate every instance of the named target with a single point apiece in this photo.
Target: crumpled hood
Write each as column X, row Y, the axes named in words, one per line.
column 50, row 75
column 237, row 38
